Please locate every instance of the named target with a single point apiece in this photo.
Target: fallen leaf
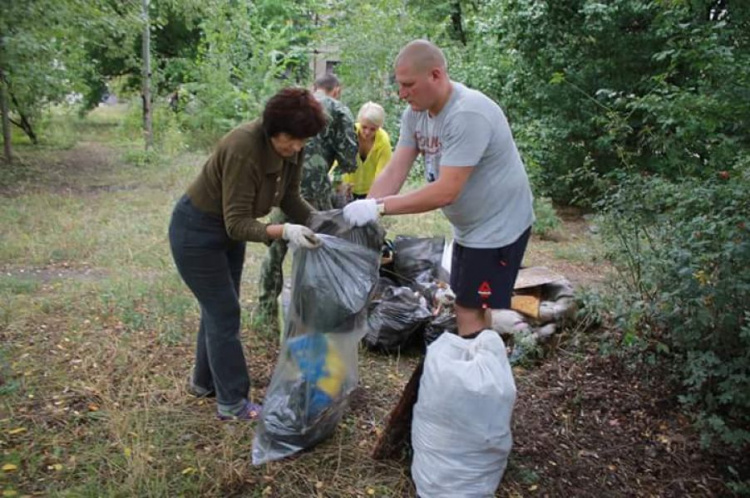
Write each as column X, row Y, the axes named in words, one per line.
column 188, row 471
column 9, row 467
column 127, row 452
column 93, row 407
column 9, row 492
column 17, row 430
column 587, row 453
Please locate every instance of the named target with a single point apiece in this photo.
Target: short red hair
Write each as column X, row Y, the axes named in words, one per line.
column 294, row 111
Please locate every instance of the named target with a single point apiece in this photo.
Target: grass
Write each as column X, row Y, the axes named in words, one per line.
column 97, row 331
column 97, row 342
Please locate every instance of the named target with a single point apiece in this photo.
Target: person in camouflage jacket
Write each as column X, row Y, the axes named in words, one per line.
column 336, row 143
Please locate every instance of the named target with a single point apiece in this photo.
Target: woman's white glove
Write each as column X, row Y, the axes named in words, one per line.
column 361, row 212
column 300, row 235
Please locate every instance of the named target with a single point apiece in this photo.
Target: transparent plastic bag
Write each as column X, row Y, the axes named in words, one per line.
column 317, row 366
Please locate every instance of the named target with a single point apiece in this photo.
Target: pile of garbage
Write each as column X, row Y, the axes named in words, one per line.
column 357, row 287
column 413, row 303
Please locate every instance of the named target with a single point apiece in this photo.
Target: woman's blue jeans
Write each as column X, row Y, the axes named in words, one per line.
column 211, row 263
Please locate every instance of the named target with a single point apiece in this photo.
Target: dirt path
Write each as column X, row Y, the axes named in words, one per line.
column 84, row 167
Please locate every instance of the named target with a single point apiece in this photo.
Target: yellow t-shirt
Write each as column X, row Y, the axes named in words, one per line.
column 371, row 167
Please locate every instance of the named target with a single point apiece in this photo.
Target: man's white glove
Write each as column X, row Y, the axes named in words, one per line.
column 300, row 235
column 361, row 212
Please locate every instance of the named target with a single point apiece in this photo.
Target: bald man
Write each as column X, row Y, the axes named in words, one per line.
column 473, row 172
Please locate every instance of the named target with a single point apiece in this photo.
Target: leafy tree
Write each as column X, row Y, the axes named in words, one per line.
column 368, row 36
column 114, row 50
column 53, row 51
column 599, row 89
column 247, row 51
column 41, row 55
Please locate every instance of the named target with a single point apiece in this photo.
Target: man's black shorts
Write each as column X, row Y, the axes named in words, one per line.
column 484, row 278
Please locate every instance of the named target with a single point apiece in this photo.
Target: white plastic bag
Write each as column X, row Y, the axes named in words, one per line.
column 461, row 427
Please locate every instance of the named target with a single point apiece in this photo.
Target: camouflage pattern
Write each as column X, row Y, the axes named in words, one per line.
column 338, row 142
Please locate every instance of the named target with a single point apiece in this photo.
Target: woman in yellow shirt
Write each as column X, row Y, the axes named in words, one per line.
column 374, row 149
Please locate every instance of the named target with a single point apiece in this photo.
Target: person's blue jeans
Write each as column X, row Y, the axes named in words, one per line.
column 211, row 263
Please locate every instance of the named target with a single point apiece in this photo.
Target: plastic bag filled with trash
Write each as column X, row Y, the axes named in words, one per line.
column 317, row 366
column 397, row 316
column 332, row 222
column 437, row 325
column 461, row 433
column 416, row 260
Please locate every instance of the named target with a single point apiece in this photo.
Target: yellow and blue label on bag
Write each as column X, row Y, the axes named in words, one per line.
column 321, row 366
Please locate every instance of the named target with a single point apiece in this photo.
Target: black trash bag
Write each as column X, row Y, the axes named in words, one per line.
column 332, row 222
column 386, row 259
column 290, row 424
column 331, row 285
column 317, row 370
column 396, row 317
column 383, row 284
column 444, row 322
column 416, row 260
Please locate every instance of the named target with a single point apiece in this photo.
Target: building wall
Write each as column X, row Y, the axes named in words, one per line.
column 324, row 60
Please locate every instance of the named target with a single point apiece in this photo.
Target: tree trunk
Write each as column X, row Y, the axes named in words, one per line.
column 457, row 25
column 24, row 124
column 5, row 119
column 146, row 93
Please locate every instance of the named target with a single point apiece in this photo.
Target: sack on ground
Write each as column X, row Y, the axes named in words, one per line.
column 317, row 366
column 397, row 315
column 461, row 428
column 444, row 322
column 416, row 260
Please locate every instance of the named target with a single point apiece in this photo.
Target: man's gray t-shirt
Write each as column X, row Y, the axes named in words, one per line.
column 495, row 205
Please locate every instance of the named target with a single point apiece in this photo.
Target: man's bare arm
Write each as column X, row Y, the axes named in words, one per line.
column 394, row 175
column 442, row 192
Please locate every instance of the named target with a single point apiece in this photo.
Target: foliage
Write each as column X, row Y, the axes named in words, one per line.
column 682, row 250
column 367, row 40
column 247, row 52
column 547, row 220
column 169, row 137
column 623, row 86
column 41, row 54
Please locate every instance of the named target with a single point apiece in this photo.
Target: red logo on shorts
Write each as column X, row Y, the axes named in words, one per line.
column 484, row 290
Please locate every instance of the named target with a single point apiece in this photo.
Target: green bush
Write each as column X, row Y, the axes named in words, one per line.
column 682, row 251
column 547, row 220
column 597, row 89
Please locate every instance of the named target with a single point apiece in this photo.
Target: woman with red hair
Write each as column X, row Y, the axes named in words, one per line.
column 255, row 167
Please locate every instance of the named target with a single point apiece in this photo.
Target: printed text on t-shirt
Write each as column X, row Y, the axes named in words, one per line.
column 430, row 147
